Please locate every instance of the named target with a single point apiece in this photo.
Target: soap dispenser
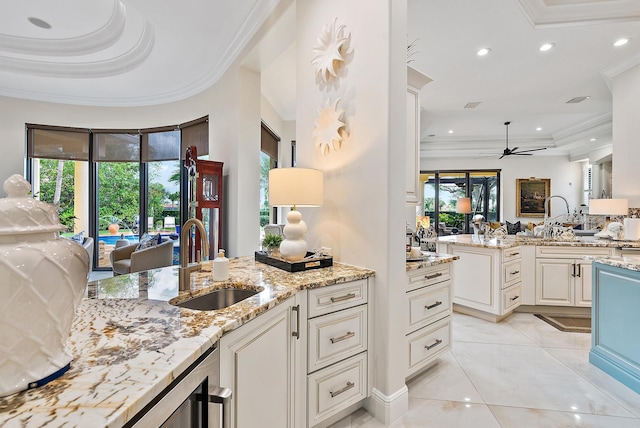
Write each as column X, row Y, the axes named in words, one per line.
column 221, row 267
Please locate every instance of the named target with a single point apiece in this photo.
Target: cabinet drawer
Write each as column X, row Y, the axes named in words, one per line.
column 336, row 297
column 428, row 304
column 511, row 297
column 511, row 273
column 429, row 276
column 337, row 336
column 428, row 342
column 571, row 252
column 511, row 254
column 336, row 388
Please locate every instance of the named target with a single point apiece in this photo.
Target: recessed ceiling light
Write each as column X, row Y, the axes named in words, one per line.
column 621, row 42
column 39, row 22
column 483, row 51
column 593, row 139
column 451, row 131
column 538, row 129
column 546, row 47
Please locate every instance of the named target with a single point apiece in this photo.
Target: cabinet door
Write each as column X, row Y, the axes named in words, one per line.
column 583, row 283
column 257, row 361
column 412, row 171
column 476, row 278
column 554, row 282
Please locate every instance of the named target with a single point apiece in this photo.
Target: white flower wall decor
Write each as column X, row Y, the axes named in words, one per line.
column 331, row 51
column 329, row 132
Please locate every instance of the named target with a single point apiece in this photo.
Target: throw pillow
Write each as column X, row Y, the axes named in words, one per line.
column 147, row 241
column 78, row 237
column 513, row 228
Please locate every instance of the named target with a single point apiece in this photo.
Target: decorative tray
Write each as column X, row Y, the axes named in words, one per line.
column 311, row 261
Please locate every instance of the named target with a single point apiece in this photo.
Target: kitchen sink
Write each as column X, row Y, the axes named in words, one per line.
column 218, row 299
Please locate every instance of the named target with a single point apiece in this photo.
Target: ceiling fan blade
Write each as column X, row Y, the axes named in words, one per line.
column 502, row 156
column 532, row 150
column 514, row 149
column 522, row 154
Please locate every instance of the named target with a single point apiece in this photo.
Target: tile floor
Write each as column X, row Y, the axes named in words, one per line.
column 520, row 373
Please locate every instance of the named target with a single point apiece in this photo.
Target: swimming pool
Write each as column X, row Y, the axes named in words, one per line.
column 111, row 239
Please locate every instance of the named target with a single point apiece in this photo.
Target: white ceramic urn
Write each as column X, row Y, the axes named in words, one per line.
column 42, row 280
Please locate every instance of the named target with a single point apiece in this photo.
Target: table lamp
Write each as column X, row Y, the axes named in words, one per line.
column 295, row 187
column 609, row 208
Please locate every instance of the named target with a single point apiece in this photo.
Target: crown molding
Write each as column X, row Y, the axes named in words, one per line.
column 565, row 13
column 96, row 41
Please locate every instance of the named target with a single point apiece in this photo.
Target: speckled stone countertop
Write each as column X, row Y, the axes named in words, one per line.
column 431, row 259
column 624, row 262
column 129, row 343
column 514, row 241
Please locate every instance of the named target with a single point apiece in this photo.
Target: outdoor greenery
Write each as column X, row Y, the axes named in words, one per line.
column 49, row 175
column 118, row 196
column 265, row 166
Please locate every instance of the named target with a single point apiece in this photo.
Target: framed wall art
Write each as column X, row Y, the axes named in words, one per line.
column 530, row 196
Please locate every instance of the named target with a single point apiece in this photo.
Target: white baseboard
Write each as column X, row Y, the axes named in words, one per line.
column 388, row 408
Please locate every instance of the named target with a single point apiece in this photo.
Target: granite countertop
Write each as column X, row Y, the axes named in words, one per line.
column 624, row 262
column 516, row 240
column 129, row 343
column 431, row 259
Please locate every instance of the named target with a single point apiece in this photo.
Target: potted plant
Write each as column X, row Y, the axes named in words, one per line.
column 272, row 244
column 113, row 226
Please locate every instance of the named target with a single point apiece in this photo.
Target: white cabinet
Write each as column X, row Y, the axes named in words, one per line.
column 338, row 362
column 428, row 319
column 563, row 275
column 487, row 280
column 415, row 82
column 258, row 362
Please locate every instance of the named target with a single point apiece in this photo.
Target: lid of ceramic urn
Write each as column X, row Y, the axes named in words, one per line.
column 21, row 213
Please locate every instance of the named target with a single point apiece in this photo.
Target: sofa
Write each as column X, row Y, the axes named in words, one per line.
column 127, row 259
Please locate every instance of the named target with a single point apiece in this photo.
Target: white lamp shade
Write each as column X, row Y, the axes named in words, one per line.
column 608, row 207
column 463, row 206
column 300, row 187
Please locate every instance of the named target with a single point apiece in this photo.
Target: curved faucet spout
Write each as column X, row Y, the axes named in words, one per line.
column 184, row 277
column 546, row 204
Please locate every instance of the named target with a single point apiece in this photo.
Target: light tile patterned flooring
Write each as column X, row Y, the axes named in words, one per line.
column 519, row 373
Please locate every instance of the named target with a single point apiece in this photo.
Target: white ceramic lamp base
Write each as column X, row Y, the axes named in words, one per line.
column 294, row 247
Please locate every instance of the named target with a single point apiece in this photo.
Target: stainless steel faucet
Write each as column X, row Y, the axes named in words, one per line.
column 184, row 277
column 547, row 226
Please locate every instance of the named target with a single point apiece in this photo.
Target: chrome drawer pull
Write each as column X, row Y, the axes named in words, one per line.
column 349, row 335
column 435, row 275
column 428, row 347
column 437, row 303
column 341, row 298
column 340, row 391
column 515, row 298
column 515, row 272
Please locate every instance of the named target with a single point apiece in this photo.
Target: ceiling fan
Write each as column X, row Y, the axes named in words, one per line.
column 508, row 152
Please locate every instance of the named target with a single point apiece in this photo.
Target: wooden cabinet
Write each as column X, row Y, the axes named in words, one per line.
column 303, row 362
column 415, row 82
column 258, row 362
column 338, row 361
column 563, row 275
column 428, row 320
column 487, row 280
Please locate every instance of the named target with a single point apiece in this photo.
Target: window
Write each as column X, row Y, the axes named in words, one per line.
column 110, row 183
column 268, row 159
column 587, row 183
column 442, row 189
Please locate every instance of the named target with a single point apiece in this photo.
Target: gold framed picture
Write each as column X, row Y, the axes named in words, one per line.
column 530, row 196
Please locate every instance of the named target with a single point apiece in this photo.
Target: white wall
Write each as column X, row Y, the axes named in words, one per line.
column 626, row 136
column 566, row 178
column 362, row 218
